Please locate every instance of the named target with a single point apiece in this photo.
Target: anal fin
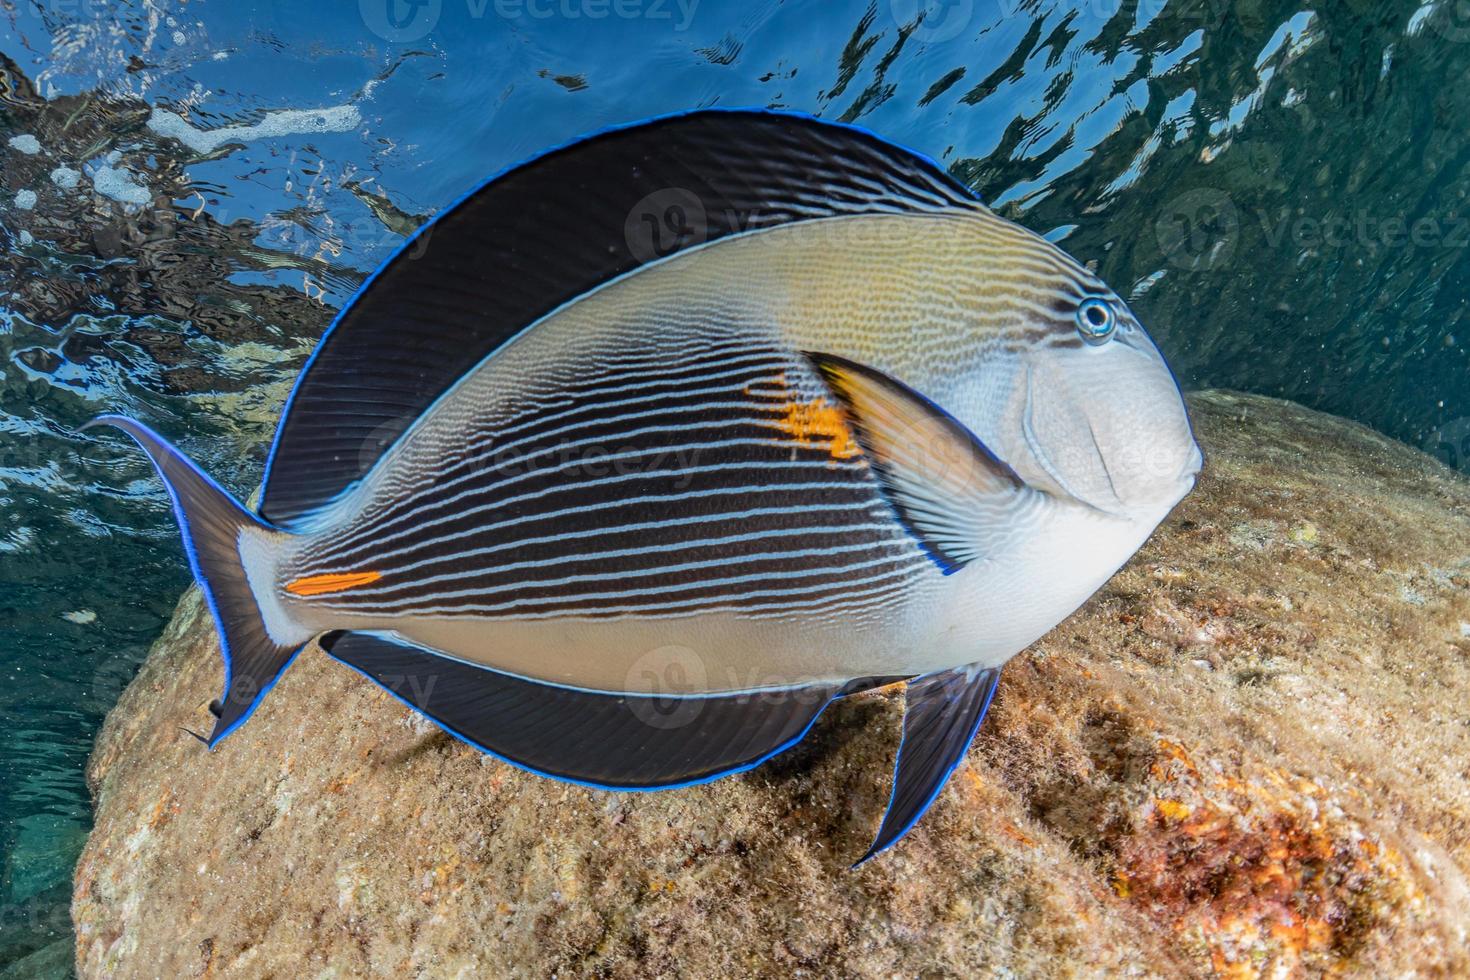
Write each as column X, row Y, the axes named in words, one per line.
column 601, row 739
column 942, row 713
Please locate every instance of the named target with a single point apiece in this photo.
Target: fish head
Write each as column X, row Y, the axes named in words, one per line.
column 1093, row 412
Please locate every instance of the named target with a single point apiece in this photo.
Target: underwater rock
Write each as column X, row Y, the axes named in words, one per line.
column 1245, row 755
column 36, row 935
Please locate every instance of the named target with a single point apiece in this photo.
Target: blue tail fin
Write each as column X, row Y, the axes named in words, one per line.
column 224, row 542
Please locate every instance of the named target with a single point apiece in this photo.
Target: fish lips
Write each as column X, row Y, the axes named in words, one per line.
column 1120, row 449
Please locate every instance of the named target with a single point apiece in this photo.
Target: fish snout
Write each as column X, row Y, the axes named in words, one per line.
column 1154, row 457
column 1196, row 463
column 1111, row 432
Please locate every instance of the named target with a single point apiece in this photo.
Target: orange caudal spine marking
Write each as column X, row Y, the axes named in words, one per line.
column 330, row 582
column 820, row 421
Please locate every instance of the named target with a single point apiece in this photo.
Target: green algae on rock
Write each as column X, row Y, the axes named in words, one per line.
column 1245, row 756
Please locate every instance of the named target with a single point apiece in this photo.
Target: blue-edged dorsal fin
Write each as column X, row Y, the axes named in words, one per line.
column 942, row 712
column 953, row 494
column 607, row 740
column 546, row 232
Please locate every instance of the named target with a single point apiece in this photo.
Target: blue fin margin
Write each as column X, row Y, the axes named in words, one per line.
column 210, row 521
column 942, row 714
column 600, row 740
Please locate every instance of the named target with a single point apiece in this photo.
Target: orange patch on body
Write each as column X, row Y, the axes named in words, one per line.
column 331, row 582
column 820, row 421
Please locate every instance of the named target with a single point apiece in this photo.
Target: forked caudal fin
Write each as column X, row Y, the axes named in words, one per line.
column 224, row 542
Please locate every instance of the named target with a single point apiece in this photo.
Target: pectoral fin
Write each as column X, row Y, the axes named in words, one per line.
column 955, row 496
column 942, row 713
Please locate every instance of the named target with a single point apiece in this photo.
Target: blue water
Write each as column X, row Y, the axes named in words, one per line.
column 1280, row 189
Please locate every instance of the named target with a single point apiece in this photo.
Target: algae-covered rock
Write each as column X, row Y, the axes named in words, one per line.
column 1246, row 755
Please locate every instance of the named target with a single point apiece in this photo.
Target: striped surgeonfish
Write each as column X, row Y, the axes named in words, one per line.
column 643, row 452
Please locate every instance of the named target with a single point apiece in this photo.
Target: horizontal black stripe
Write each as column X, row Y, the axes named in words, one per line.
column 561, row 477
column 619, row 491
column 485, row 452
column 581, row 511
column 818, row 586
column 765, row 543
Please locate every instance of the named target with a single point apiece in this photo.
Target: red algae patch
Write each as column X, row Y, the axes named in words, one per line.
column 1258, row 867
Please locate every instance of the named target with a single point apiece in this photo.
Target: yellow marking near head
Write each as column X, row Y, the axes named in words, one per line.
column 820, row 421
column 331, row 582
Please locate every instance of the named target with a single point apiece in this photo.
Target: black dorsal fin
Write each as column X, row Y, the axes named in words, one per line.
column 547, row 231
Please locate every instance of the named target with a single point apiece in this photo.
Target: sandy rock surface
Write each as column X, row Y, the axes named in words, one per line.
column 1248, row 755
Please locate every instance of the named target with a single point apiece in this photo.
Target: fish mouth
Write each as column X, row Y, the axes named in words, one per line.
column 1053, row 472
column 1106, row 498
column 1140, row 342
column 1196, row 463
column 1189, row 479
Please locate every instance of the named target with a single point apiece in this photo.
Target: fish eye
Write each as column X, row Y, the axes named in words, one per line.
column 1096, row 320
